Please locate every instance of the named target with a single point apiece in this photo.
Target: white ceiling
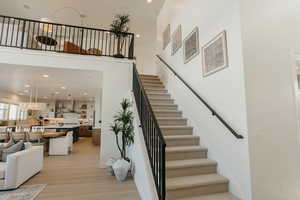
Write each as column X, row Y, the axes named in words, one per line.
column 80, row 84
column 99, row 13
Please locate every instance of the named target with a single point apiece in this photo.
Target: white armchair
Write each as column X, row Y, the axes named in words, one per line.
column 61, row 145
column 20, row 166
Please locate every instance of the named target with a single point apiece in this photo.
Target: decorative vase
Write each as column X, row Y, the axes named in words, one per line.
column 121, row 168
column 109, row 166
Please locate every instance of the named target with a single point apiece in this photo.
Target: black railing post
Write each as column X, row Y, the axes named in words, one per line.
column 131, row 48
column 23, row 34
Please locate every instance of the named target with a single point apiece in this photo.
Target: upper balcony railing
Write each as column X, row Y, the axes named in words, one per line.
column 62, row 38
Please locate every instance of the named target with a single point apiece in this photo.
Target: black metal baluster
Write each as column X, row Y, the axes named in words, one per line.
column 13, row 32
column 23, row 34
column 32, row 38
column 7, row 30
column 18, row 30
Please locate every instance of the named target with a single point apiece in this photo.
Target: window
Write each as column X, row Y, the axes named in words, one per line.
column 22, row 114
column 4, row 111
column 13, row 112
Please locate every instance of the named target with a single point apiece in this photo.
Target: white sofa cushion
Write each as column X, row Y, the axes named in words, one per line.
column 2, row 170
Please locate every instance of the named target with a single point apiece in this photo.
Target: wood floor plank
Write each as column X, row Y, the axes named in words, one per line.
column 78, row 177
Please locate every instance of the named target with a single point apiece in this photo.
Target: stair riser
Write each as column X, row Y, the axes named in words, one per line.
column 183, row 142
column 152, row 82
column 166, row 96
column 169, row 108
column 162, row 101
column 149, row 86
column 142, row 76
column 156, row 90
column 186, row 155
column 166, row 114
column 196, row 191
column 180, row 122
column 191, row 171
column 169, row 132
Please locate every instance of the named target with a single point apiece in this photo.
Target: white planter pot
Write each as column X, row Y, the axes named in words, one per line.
column 109, row 167
column 121, row 168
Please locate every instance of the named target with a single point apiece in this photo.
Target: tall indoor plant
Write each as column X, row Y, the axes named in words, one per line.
column 120, row 27
column 123, row 124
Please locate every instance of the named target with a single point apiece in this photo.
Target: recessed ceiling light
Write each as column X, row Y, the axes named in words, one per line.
column 63, row 87
column 138, row 35
column 149, row 1
column 27, row 86
column 56, row 92
column 45, row 75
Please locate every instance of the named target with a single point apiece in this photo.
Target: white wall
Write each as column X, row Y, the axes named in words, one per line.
column 116, row 83
column 271, row 35
column 224, row 90
column 143, row 177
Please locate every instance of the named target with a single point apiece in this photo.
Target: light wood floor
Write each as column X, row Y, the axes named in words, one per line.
column 78, row 177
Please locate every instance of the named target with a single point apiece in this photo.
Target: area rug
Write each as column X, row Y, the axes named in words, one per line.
column 28, row 192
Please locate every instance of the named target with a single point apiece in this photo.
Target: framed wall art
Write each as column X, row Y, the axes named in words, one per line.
column 215, row 55
column 176, row 40
column 166, row 36
column 191, row 45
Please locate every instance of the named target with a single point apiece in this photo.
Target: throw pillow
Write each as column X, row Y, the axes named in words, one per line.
column 5, row 146
column 13, row 149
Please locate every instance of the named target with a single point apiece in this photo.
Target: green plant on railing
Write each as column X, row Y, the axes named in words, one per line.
column 120, row 27
column 123, row 124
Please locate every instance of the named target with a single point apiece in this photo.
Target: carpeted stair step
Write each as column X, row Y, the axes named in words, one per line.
column 185, row 153
column 194, row 186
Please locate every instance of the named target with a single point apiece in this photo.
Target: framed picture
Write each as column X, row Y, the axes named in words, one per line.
column 191, row 45
column 176, row 40
column 166, row 36
column 215, row 55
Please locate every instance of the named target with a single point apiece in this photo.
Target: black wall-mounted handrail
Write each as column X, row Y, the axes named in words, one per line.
column 214, row 113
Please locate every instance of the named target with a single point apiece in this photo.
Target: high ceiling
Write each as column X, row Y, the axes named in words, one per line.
column 59, row 84
column 98, row 13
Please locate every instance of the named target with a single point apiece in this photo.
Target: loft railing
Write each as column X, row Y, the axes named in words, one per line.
column 62, row 38
column 213, row 111
column 154, row 140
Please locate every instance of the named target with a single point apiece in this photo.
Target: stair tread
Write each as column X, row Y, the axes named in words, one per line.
column 184, row 149
column 160, row 98
column 164, row 104
column 168, row 111
column 170, row 118
column 175, row 164
column 219, row 196
column 195, row 181
column 176, row 127
column 180, row 137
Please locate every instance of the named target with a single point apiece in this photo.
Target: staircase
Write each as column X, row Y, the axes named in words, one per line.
column 190, row 174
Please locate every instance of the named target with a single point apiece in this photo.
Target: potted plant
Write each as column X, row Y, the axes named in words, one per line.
column 120, row 27
column 123, row 128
